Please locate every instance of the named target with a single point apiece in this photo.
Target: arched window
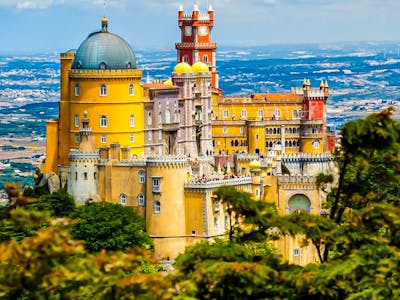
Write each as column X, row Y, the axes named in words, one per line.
column 131, row 90
column 103, row 66
column 186, row 59
column 77, row 90
column 167, row 116
column 299, row 202
column 216, row 225
column 103, row 90
column 316, row 144
column 123, row 199
column 226, row 222
column 149, row 118
column 142, row 176
column 103, row 121
column 141, row 200
column 159, row 118
column 205, row 58
column 157, row 207
column 132, row 120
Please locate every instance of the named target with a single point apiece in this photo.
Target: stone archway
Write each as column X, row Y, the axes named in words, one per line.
column 299, row 202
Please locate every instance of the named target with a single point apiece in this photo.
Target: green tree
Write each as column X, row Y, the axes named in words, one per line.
column 248, row 218
column 110, row 226
column 52, row 265
column 20, row 223
column 59, row 203
column 226, row 270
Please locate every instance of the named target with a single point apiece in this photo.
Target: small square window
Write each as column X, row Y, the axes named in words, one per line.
column 104, row 138
column 156, row 182
column 296, row 252
column 225, row 130
column 226, row 113
column 243, row 114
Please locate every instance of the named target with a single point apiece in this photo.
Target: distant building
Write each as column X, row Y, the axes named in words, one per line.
column 164, row 147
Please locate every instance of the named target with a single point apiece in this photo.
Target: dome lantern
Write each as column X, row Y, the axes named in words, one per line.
column 104, row 50
column 104, row 24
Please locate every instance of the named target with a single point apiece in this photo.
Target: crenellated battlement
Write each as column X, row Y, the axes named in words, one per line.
column 295, row 179
column 310, row 157
column 213, row 184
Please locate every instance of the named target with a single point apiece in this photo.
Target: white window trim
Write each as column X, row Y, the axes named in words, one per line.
column 103, row 139
column 157, row 207
column 103, row 90
column 131, row 90
column 103, row 121
column 141, row 200
column 131, row 120
column 76, row 120
column 123, row 199
column 77, row 90
column 142, row 176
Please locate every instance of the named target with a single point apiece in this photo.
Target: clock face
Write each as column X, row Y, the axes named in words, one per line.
column 188, row 30
column 203, row 30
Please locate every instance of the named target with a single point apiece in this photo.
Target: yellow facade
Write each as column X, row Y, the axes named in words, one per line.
column 173, row 189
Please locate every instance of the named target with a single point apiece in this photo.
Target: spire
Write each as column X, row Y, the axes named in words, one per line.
column 86, row 140
column 210, row 8
column 195, row 6
column 180, row 7
column 104, row 24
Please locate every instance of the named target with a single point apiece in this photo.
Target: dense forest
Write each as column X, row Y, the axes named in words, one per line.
column 52, row 249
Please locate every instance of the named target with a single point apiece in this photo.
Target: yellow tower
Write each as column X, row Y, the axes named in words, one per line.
column 101, row 78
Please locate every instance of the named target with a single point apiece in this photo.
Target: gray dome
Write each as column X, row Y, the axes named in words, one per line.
column 104, row 50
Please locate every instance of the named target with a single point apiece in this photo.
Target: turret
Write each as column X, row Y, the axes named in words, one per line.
column 82, row 181
column 211, row 15
column 180, row 14
column 195, row 12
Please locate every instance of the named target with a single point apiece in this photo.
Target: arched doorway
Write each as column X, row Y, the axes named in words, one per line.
column 299, row 202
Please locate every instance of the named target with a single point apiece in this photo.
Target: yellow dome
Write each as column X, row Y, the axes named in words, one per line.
column 183, row 68
column 168, row 82
column 200, row 67
column 255, row 164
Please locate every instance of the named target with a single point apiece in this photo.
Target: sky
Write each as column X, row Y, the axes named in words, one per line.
column 34, row 26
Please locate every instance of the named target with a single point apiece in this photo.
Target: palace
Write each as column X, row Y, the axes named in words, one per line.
column 164, row 147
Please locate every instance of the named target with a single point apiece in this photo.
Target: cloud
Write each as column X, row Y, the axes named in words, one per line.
column 46, row 4
column 36, row 4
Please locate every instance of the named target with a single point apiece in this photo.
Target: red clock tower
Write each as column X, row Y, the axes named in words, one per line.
column 196, row 42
